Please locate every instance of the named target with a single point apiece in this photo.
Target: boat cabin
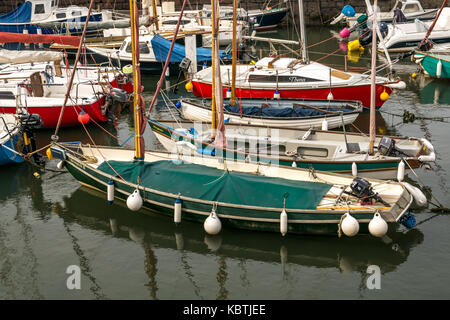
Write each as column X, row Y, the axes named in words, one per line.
column 411, row 6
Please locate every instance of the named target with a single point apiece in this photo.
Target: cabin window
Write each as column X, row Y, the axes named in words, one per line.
column 313, row 152
column 60, row 15
column 39, row 8
column 7, row 95
column 143, row 48
column 411, row 7
column 76, row 13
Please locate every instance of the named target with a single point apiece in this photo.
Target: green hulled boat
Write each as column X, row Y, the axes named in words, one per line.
column 436, row 65
column 333, row 151
column 243, row 195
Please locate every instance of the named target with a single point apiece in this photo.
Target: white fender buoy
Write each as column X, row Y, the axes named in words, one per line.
column 294, row 164
column 228, row 93
column 212, row 224
column 276, row 95
column 177, row 211
column 377, row 226
column 110, row 191
column 419, row 198
column 283, row 222
column 134, row 201
column 401, row 171
column 354, row 169
column 324, row 125
column 439, row 69
column 167, row 73
column 60, row 165
column 330, row 96
column 349, row 225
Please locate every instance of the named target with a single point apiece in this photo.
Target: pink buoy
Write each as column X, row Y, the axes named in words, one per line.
column 344, row 33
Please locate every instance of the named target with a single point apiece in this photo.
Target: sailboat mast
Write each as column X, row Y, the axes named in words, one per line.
column 233, row 66
column 155, row 15
column 136, row 80
column 373, row 78
column 213, row 79
column 302, row 31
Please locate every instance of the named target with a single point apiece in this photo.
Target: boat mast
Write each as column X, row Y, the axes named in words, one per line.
column 233, row 70
column 213, row 66
column 139, row 125
column 155, row 15
column 302, row 31
column 373, row 78
column 69, row 85
column 218, row 125
column 380, row 37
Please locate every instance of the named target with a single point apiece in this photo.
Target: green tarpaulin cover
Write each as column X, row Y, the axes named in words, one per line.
column 202, row 182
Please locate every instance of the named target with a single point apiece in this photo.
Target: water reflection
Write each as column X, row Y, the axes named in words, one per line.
column 86, row 208
column 431, row 91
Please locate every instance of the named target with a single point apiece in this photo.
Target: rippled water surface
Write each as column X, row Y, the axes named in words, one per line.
column 50, row 223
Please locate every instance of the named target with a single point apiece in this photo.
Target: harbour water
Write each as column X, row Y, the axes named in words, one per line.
column 50, row 223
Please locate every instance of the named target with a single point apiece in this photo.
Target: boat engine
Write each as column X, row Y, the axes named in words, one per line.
column 362, row 189
column 29, row 123
column 386, row 146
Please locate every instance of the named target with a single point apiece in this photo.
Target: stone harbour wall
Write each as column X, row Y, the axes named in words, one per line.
column 317, row 12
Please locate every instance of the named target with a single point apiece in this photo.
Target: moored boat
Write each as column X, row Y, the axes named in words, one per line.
column 335, row 151
column 434, row 64
column 292, row 113
column 292, row 79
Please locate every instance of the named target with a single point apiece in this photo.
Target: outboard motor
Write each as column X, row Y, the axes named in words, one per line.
column 362, row 189
column 386, row 146
column 29, row 123
column 184, row 68
column 118, row 95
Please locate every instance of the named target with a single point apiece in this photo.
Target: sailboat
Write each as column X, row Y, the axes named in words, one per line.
column 292, row 78
column 243, row 195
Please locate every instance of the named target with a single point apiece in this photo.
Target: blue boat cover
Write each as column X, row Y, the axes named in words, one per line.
column 161, row 48
column 19, row 15
column 279, row 112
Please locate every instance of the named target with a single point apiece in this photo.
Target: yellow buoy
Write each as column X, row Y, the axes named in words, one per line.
column 252, row 62
column 36, row 175
column 355, row 46
column 413, row 75
column 384, row 96
column 49, row 154
column 189, row 86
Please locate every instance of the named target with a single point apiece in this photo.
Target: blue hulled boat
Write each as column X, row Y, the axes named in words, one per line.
column 17, row 137
column 32, row 15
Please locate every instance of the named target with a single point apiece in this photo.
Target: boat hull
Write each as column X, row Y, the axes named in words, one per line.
column 50, row 114
column 33, row 28
column 322, row 223
column 378, row 169
column 197, row 113
column 7, row 156
column 429, row 64
column 359, row 93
